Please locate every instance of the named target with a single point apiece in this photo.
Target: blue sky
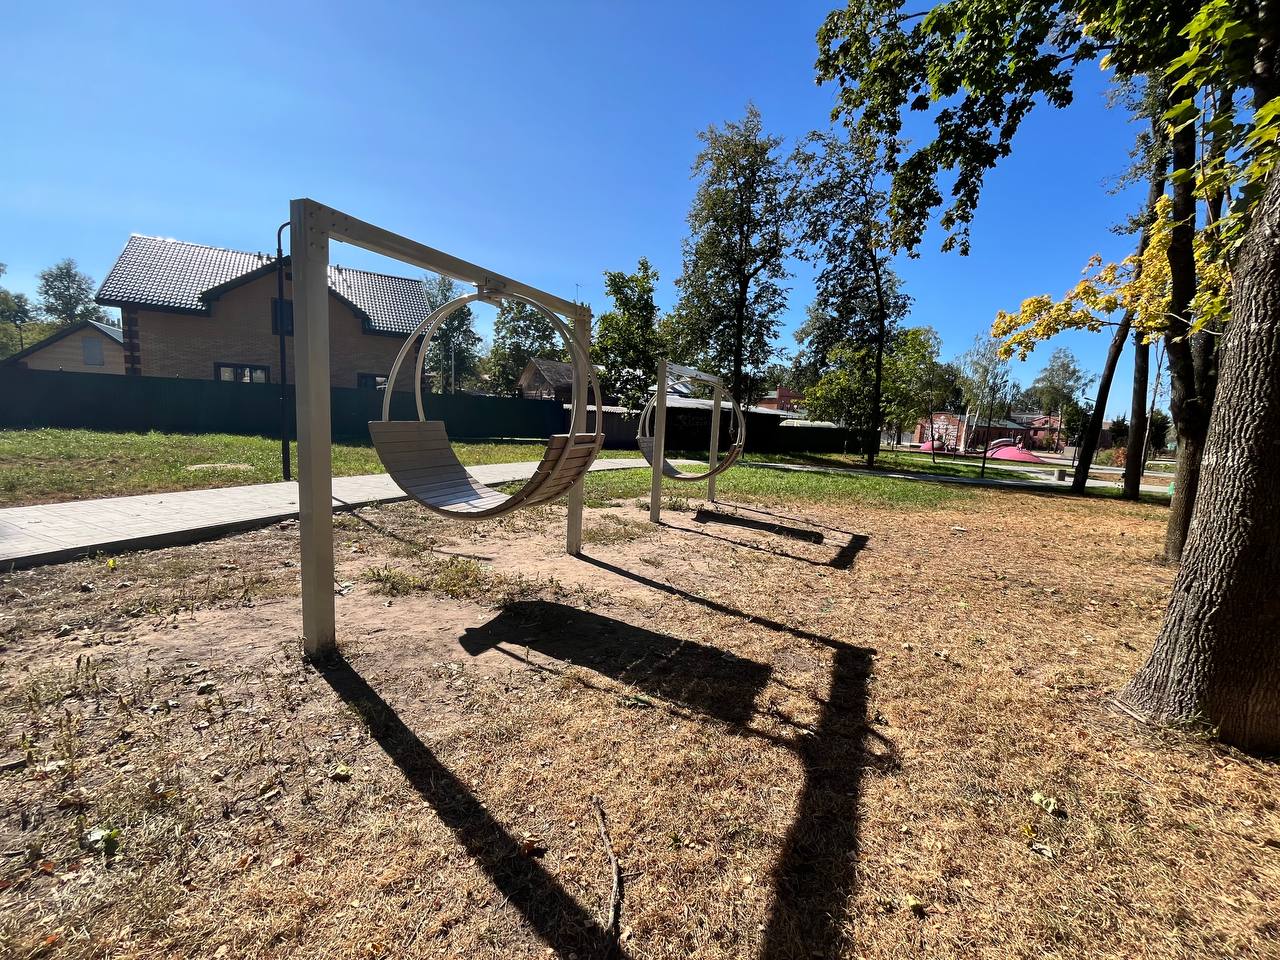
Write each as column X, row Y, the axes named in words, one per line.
column 550, row 141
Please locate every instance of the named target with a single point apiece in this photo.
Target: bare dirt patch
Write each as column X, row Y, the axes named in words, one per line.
column 815, row 732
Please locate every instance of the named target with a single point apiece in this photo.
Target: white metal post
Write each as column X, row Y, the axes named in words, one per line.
column 581, row 333
column 659, row 444
column 716, row 394
column 309, row 244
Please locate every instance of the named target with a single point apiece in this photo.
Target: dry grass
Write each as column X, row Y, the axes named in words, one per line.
column 830, row 731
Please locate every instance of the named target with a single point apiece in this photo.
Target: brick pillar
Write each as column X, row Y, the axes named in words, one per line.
column 132, row 344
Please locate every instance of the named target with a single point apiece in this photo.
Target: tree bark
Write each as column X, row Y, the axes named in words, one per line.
column 1136, row 453
column 1217, row 659
column 1089, row 442
column 1188, row 410
column 877, row 384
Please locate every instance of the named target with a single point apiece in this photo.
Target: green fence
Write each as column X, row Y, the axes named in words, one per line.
column 43, row 398
column 94, row 401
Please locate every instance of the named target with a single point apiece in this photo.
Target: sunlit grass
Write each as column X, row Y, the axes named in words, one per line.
column 38, row 466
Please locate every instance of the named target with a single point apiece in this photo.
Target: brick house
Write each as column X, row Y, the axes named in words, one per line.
column 200, row 312
column 84, row 347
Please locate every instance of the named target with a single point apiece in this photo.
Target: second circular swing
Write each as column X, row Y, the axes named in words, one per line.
column 651, row 433
column 420, row 459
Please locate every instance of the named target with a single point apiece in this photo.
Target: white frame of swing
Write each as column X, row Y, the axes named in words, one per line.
column 657, row 409
column 312, row 227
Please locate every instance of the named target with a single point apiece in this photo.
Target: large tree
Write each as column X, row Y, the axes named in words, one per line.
column 627, row 344
column 521, row 333
column 977, row 67
column 454, row 353
column 1217, row 659
column 66, row 294
column 731, row 291
column 980, row 65
column 859, row 302
column 1059, row 384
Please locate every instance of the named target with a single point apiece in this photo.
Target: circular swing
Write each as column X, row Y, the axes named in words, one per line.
column 645, row 440
column 420, row 459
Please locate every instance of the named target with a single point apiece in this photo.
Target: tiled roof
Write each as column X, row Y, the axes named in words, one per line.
column 115, row 333
column 174, row 275
column 555, row 372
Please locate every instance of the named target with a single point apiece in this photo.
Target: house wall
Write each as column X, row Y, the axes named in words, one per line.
column 68, row 354
column 239, row 331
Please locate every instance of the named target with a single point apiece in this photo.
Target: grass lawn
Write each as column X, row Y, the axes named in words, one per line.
column 812, row 724
column 777, row 486
column 893, row 461
column 43, row 466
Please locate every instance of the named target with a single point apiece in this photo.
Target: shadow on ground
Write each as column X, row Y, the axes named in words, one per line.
column 816, row 874
column 708, row 680
column 842, row 560
column 558, row 918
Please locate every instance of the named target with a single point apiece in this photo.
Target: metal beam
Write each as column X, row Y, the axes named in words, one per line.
column 689, row 373
column 341, row 226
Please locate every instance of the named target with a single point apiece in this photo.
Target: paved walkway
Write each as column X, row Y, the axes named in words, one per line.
column 55, row 532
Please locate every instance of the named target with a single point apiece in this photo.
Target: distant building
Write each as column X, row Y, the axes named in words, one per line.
column 784, row 398
column 952, row 430
column 84, row 347
column 546, row 380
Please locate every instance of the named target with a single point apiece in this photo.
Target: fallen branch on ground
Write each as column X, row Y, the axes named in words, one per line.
column 615, row 899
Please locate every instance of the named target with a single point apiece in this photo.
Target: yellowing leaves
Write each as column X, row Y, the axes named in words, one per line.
column 1139, row 286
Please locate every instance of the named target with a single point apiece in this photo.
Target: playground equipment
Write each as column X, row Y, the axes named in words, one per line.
column 651, row 435
column 419, row 458
column 423, row 462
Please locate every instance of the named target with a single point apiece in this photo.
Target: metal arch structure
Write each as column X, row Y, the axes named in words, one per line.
column 420, row 459
column 313, row 227
column 652, row 441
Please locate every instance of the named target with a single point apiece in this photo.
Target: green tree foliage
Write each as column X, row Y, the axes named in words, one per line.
column 520, row 333
column 1119, row 431
column 731, row 291
column 454, row 354
column 627, row 344
column 16, row 312
column 913, row 377
column 1059, row 384
column 1158, row 432
column 66, row 294
column 915, row 382
column 859, row 299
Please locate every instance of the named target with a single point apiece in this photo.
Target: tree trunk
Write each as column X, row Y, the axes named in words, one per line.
column 1217, row 659
column 1089, row 442
column 1136, row 453
column 1188, row 410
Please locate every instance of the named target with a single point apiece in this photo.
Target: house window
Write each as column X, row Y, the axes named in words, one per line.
column 92, row 351
column 370, row 381
column 281, row 312
column 241, row 373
